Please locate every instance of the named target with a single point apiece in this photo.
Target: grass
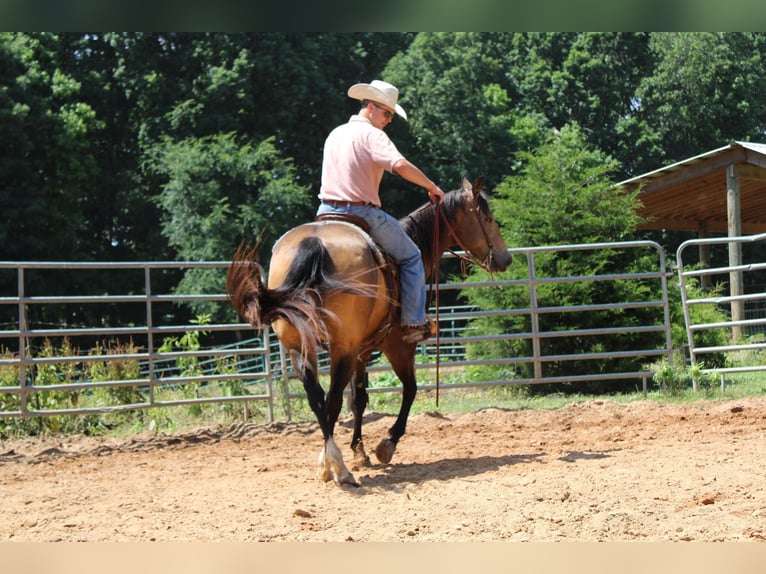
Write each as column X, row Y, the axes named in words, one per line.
column 384, row 398
column 741, row 385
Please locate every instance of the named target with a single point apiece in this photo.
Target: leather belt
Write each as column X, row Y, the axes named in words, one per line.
column 335, row 203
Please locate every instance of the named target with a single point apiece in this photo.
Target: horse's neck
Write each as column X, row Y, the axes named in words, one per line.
column 431, row 248
column 431, row 260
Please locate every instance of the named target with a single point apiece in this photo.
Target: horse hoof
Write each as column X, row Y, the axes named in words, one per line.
column 385, row 450
column 331, row 465
column 361, row 460
column 348, row 479
column 327, row 475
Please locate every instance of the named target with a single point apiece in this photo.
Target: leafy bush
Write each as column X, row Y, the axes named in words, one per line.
column 674, row 377
column 565, row 196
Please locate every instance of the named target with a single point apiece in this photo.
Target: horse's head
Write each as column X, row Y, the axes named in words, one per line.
column 475, row 230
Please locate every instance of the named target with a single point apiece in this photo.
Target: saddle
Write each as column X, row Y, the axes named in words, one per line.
column 346, row 217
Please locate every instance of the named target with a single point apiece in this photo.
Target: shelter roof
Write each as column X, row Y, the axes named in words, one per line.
column 691, row 195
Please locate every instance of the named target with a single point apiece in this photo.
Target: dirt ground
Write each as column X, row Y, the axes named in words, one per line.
column 593, row 471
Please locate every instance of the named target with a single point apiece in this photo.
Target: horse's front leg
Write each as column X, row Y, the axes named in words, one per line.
column 402, row 357
column 360, row 398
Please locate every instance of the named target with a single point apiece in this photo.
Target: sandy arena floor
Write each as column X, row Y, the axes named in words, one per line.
column 594, row 471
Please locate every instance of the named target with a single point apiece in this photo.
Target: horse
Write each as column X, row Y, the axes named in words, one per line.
column 329, row 285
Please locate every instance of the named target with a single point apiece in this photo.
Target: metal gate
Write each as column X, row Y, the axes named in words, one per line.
column 744, row 335
column 141, row 370
column 621, row 319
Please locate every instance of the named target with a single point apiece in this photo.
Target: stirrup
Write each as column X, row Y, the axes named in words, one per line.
column 418, row 333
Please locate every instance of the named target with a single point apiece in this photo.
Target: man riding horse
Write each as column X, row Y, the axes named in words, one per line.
column 329, row 286
column 355, row 155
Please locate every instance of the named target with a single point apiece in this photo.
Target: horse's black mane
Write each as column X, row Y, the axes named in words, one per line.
column 419, row 224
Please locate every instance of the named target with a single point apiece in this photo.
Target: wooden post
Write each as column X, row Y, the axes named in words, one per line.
column 706, row 281
column 735, row 249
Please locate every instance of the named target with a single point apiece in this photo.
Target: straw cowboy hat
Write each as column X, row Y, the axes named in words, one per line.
column 380, row 92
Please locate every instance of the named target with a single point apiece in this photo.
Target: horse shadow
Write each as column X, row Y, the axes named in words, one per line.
column 396, row 476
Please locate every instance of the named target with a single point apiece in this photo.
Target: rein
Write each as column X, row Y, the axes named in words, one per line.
column 435, row 287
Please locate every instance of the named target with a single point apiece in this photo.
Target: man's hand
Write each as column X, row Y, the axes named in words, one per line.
column 436, row 194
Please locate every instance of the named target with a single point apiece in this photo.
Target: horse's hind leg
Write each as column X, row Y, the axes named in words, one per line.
column 359, row 383
column 341, row 370
column 331, row 465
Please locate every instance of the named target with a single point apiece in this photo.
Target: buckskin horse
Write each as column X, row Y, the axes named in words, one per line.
column 329, row 285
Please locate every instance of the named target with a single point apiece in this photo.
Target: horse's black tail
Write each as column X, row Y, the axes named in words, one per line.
column 312, row 267
column 296, row 301
column 299, row 299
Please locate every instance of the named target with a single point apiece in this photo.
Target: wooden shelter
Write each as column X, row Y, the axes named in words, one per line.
column 721, row 191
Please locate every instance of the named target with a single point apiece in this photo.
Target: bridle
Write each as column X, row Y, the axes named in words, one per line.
column 467, row 256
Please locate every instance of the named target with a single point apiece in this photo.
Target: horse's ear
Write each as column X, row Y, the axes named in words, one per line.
column 466, row 185
column 477, row 186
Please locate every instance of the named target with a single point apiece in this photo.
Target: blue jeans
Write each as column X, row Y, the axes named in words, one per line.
column 387, row 232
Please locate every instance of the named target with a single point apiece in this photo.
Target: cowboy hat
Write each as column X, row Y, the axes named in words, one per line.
column 380, row 92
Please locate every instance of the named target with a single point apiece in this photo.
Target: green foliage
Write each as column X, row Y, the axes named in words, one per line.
column 718, row 76
column 192, row 366
column 674, row 377
column 9, row 377
column 83, row 113
column 116, row 368
column 216, row 135
column 188, row 366
column 459, row 101
column 45, row 374
column 107, row 363
column 563, row 196
column 218, row 193
column 587, row 78
column 46, row 156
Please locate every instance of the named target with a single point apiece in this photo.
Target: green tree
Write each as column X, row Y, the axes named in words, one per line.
column 45, row 154
column 705, row 90
column 219, row 192
column 464, row 120
column 47, row 166
column 564, row 195
column 83, row 115
column 479, row 98
column 288, row 86
column 589, row 78
column 115, row 72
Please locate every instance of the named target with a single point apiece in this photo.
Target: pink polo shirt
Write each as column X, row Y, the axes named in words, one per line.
column 355, row 156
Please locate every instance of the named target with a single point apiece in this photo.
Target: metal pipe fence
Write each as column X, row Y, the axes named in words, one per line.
column 633, row 330
column 743, row 336
column 59, row 380
column 534, row 340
